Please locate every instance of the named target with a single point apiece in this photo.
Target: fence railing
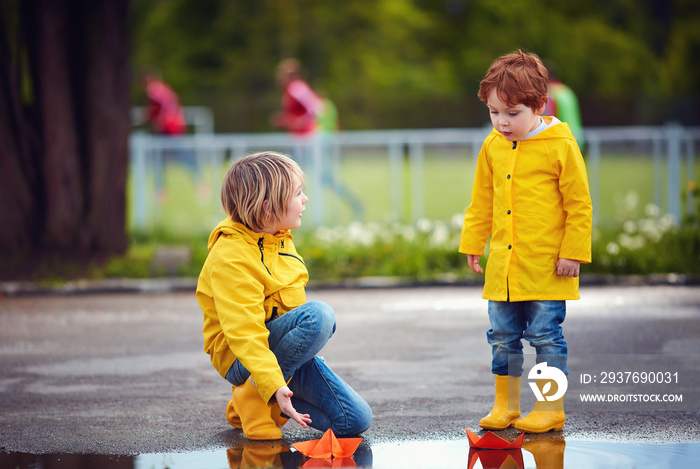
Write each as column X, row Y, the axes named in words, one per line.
column 671, row 147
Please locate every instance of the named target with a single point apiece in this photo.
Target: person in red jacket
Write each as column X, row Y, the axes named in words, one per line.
column 301, row 105
column 308, row 116
column 164, row 115
column 163, row 111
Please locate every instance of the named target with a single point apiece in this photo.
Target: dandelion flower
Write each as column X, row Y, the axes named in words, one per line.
column 612, row 248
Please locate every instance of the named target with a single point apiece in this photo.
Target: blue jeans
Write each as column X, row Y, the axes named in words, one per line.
column 295, row 339
column 539, row 322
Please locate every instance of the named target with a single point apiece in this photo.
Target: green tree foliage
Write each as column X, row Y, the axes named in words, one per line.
column 418, row 63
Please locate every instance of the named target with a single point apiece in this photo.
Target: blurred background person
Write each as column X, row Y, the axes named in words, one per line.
column 313, row 119
column 301, row 105
column 562, row 103
column 163, row 111
column 165, row 117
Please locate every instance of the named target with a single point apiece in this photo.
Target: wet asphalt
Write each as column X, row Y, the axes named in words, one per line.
column 124, row 373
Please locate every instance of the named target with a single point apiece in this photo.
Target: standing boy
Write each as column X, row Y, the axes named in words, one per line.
column 531, row 196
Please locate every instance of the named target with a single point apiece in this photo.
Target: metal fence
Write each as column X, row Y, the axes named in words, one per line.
column 404, row 154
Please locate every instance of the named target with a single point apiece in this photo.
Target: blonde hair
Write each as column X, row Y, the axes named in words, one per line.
column 255, row 179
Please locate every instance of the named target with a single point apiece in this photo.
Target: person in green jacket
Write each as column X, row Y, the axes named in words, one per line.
column 562, row 103
column 260, row 332
column 531, row 197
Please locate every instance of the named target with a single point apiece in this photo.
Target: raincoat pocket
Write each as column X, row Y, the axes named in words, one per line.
column 291, row 298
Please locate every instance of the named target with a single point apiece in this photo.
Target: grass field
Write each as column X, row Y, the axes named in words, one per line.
column 189, row 206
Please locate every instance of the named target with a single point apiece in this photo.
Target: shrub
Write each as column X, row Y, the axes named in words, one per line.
column 646, row 242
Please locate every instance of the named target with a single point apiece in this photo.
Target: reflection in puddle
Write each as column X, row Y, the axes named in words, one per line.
column 551, row 453
column 540, row 454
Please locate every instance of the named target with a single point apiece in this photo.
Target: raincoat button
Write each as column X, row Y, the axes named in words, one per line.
column 508, row 177
column 508, row 212
column 510, row 247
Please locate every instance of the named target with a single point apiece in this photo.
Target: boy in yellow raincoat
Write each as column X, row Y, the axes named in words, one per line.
column 260, row 332
column 531, row 196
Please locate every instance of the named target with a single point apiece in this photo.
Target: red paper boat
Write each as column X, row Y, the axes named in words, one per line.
column 492, row 441
column 328, row 446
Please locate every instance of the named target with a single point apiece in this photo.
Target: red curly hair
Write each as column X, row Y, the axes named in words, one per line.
column 518, row 78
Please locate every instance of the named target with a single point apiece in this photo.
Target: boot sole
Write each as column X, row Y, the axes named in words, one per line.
column 556, row 428
column 497, row 427
column 493, row 427
column 263, row 437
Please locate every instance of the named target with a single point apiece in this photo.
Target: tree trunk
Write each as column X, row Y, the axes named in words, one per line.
column 61, row 163
column 64, row 132
column 105, row 111
column 18, row 170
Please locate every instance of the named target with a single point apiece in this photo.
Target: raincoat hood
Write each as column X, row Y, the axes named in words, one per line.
column 229, row 227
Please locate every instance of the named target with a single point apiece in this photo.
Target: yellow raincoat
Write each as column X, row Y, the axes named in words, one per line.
column 248, row 279
column 532, row 198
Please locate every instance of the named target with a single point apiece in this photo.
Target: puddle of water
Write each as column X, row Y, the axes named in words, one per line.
column 539, row 454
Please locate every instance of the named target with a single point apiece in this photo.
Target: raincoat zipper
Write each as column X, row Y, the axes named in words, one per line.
column 292, row 255
column 262, row 253
column 515, row 145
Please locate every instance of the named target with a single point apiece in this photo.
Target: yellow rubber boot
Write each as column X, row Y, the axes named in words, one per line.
column 544, row 417
column 231, row 414
column 506, row 407
column 235, row 420
column 276, row 414
column 258, row 420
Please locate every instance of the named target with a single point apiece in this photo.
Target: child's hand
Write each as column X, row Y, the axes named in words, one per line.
column 284, row 399
column 568, row 268
column 473, row 260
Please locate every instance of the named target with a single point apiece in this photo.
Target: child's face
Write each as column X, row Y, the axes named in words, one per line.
column 292, row 217
column 512, row 121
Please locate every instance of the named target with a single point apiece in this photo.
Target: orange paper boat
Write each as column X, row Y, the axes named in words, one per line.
column 328, row 446
column 333, row 463
column 496, row 458
column 492, row 441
